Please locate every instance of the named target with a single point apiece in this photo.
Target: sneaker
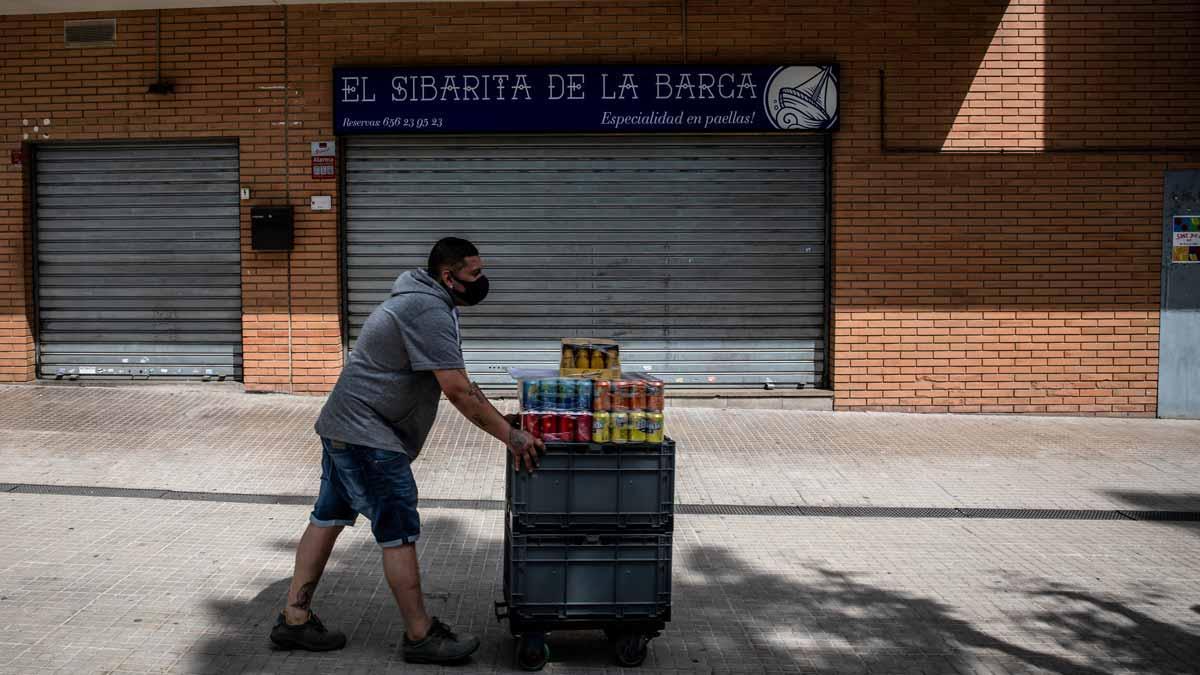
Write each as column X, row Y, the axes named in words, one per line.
column 311, row 635
column 441, row 645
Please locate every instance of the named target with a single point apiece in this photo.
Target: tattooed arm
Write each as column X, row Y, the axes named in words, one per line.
column 475, row 406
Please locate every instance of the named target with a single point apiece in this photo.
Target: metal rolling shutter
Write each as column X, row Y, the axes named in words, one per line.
column 139, row 260
column 704, row 256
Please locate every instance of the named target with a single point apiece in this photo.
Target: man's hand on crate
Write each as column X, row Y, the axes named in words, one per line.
column 524, row 448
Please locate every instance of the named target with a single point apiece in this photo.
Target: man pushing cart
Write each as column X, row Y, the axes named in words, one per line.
column 587, row 547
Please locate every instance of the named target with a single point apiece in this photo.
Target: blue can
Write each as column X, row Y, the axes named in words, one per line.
column 531, row 398
column 583, row 396
column 568, row 394
column 547, row 394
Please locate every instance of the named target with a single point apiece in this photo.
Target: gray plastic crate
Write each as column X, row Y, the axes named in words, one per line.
column 583, row 486
column 590, row 576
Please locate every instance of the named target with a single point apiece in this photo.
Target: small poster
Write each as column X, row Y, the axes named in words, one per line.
column 1186, row 244
column 323, row 168
column 324, row 158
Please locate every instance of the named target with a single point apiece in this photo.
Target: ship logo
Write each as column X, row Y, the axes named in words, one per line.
column 802, row 97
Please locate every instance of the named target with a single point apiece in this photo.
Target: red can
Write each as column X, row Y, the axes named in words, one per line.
column 583, row 428
column 531, row 422
column 566, row 427
column 549, row 425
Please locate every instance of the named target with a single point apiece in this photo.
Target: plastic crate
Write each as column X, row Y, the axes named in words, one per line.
column 617, row 577
column 591, row 487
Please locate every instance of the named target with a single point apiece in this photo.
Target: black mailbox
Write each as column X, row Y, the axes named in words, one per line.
column 271, row 228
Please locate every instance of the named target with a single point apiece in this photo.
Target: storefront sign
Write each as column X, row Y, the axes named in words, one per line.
column 1185, row 248
column 619, row 99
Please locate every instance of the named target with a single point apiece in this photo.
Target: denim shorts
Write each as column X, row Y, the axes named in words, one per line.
column 376, row 483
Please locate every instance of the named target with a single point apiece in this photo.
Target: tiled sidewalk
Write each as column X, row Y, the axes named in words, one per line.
column 140, row 586
column 218, row 440
column 123, row 585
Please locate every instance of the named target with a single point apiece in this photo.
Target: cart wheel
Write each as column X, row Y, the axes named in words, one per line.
column 630, row 649
column 532, row 651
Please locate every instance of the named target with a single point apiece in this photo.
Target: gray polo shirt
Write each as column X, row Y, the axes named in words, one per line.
column 387, row 395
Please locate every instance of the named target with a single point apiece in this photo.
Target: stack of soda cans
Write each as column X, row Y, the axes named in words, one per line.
column 578, row 410
column 588, row 535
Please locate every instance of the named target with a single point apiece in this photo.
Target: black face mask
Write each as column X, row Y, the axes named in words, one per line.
column 474, row 291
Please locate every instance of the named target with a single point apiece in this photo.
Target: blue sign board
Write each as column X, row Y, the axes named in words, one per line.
column 618, row 99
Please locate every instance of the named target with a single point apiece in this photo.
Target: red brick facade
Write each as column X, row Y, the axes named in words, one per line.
column 982, row 261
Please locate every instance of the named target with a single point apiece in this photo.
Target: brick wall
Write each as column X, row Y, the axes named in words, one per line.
column 1004, row 274
column 229, row 70
column 972, row 280
column 16, row 336
column 1014, row 282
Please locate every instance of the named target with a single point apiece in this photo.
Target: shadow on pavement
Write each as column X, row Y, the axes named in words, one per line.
column 1186, row 506
column 729, row 615
column 1125, row 636
column 1154, row 501
column 354, row 597
column 852, row 627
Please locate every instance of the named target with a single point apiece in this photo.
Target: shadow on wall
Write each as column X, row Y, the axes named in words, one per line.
column 1037, row 232
column 1106, row 73
column 937, row 50
column 1121, row 74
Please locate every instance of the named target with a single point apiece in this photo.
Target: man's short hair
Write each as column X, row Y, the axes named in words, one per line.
column 449, row 252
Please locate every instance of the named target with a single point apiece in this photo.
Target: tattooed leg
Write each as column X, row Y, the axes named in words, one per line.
column 311, row 555
column 300, row 601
